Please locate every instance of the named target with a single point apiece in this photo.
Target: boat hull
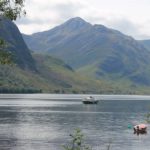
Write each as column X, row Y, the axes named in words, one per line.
column 90, row 102
column 141, row 128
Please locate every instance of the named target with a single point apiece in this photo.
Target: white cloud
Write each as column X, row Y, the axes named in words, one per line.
column 128, row 16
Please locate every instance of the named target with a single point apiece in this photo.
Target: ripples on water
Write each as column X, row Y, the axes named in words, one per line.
column 28, row 123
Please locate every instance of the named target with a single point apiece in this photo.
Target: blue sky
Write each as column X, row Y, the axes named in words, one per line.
column 128, row 16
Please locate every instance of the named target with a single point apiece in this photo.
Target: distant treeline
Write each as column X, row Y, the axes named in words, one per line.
column 22, row 90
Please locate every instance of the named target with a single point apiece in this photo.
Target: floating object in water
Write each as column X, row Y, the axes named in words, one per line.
column 129, row 126
column 89, row 100
column 141, row 128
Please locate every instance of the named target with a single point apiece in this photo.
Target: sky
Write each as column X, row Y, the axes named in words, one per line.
column 132, row 17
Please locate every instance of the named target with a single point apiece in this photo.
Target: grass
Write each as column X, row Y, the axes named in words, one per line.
column 54, row 76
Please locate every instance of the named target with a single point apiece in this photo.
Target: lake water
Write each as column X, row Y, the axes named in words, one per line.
column 44, row 122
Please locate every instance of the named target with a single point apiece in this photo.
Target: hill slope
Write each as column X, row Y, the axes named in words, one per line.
column 39, row 72
column 95, row 50
column 15, row 43
column 146, row 43
column 53, row 76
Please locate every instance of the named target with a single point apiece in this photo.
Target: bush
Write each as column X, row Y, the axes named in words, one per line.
column 77, row 142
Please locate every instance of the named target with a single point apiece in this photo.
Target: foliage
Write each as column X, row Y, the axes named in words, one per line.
column 12, row 9
column 148, row 118
column 5, row 56
column 19, row 90
column 77, row 142
column 52, row 77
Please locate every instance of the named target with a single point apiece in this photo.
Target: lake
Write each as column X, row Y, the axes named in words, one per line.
column 44, row 121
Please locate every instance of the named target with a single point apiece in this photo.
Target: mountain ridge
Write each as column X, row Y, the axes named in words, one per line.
column 146, row 43
column 109, row 51
column 93, row 75
column 15, row 44
column 33, row 72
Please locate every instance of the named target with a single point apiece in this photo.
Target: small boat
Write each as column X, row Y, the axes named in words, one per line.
column 89, row 100
column 141, row 128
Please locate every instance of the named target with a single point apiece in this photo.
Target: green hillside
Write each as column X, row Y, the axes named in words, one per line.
column 96, row 51
column 15, row 44
column 63, row 77
column 122, row 69
column 52, row 76
column 37, row 72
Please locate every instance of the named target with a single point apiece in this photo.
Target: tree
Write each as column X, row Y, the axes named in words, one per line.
column 12, row 9
column 5, row 56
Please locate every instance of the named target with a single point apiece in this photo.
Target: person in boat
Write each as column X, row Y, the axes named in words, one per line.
column 136, row 128
column 141, row 128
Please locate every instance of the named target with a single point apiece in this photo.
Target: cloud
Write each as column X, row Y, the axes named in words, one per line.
column 125, row 25
column 46, row 14
column 118, row 22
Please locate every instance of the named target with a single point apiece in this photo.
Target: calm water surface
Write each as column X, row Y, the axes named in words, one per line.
column 44, row 122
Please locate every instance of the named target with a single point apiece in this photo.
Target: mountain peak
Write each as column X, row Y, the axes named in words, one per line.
column 76, row 23
column 77, row 19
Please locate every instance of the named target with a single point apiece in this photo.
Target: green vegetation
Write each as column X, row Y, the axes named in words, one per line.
column 15, row 80
column 95, row 51
column 54, row 76
column 18, row 90
column 64, row 79
column 12, row 9
column 148, row 117
column 13, row 47
column 77, row 142
column 28, row 72
column 5, row 56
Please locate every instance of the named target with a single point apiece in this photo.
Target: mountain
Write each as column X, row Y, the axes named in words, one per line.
column 15, row 43
column 38, row 72
column 146, row 43
column 95, row 51
column 43, row 73
column 58, row 34
column 52, row 76
column 61, row 77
